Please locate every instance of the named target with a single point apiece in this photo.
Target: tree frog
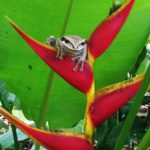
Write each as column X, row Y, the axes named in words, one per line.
column 70, row 44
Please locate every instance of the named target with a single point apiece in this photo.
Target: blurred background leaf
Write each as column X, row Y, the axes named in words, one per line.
column 7, row 140
column 27, row 75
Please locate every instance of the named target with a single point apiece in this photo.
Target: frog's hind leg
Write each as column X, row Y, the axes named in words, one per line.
column 51, row 40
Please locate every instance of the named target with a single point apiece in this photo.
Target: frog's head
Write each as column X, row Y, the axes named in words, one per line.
column 74, row 43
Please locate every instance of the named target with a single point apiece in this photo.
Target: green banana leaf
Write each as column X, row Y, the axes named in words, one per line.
column 120, row 57
column 27, row 75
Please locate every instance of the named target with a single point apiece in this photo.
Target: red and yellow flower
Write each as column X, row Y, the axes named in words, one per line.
column 112, row 97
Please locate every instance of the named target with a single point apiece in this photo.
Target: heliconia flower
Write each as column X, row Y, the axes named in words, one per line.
column 96, row 109
column 99, row 41
column 80, row 80
column 52, row 140
column 105, row 33
column 111, row 98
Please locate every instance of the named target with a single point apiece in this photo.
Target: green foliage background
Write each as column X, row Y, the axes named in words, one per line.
column 27, row 75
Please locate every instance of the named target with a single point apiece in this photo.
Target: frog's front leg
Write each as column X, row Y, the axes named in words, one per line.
column 81, row 60
column 62, row 53
column 81, row 63
column 58, row 51
column 75, row 58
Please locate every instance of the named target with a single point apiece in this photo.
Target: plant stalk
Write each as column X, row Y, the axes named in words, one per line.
column 134, row 109
column 44, row 106
column 145, row 143
column 5, row 105
column 139, row 60
column 16, row 143
column 88, row 125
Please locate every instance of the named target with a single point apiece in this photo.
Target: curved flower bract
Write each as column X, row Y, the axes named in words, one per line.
column 99, row 41
column 111, row 98
column 106, row 32
column 53, row 140
column 80, row 80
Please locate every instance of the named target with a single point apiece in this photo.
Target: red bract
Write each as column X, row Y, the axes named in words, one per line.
column 52, row 140
column 80, row 80
column 109, row 99
column 105, row 33
column 99, row 41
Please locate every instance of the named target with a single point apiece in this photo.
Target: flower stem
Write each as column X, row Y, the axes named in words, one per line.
column 44, row 106
column 88, row 125
column 16, row 143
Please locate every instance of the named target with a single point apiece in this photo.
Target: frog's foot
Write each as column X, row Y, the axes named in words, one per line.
column 77, row 65
column 75, row 58
column 57, row 55
column 61, row 57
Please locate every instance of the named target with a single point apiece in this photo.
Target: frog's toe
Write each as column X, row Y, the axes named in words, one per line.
column 57, row 56
column 75, row 69
column 61, row 57
column 73, row 59
column 81, row 69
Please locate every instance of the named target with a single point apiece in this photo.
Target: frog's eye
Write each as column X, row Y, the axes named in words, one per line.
column 65, row 40
column 62, row 39
column 83, row 43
